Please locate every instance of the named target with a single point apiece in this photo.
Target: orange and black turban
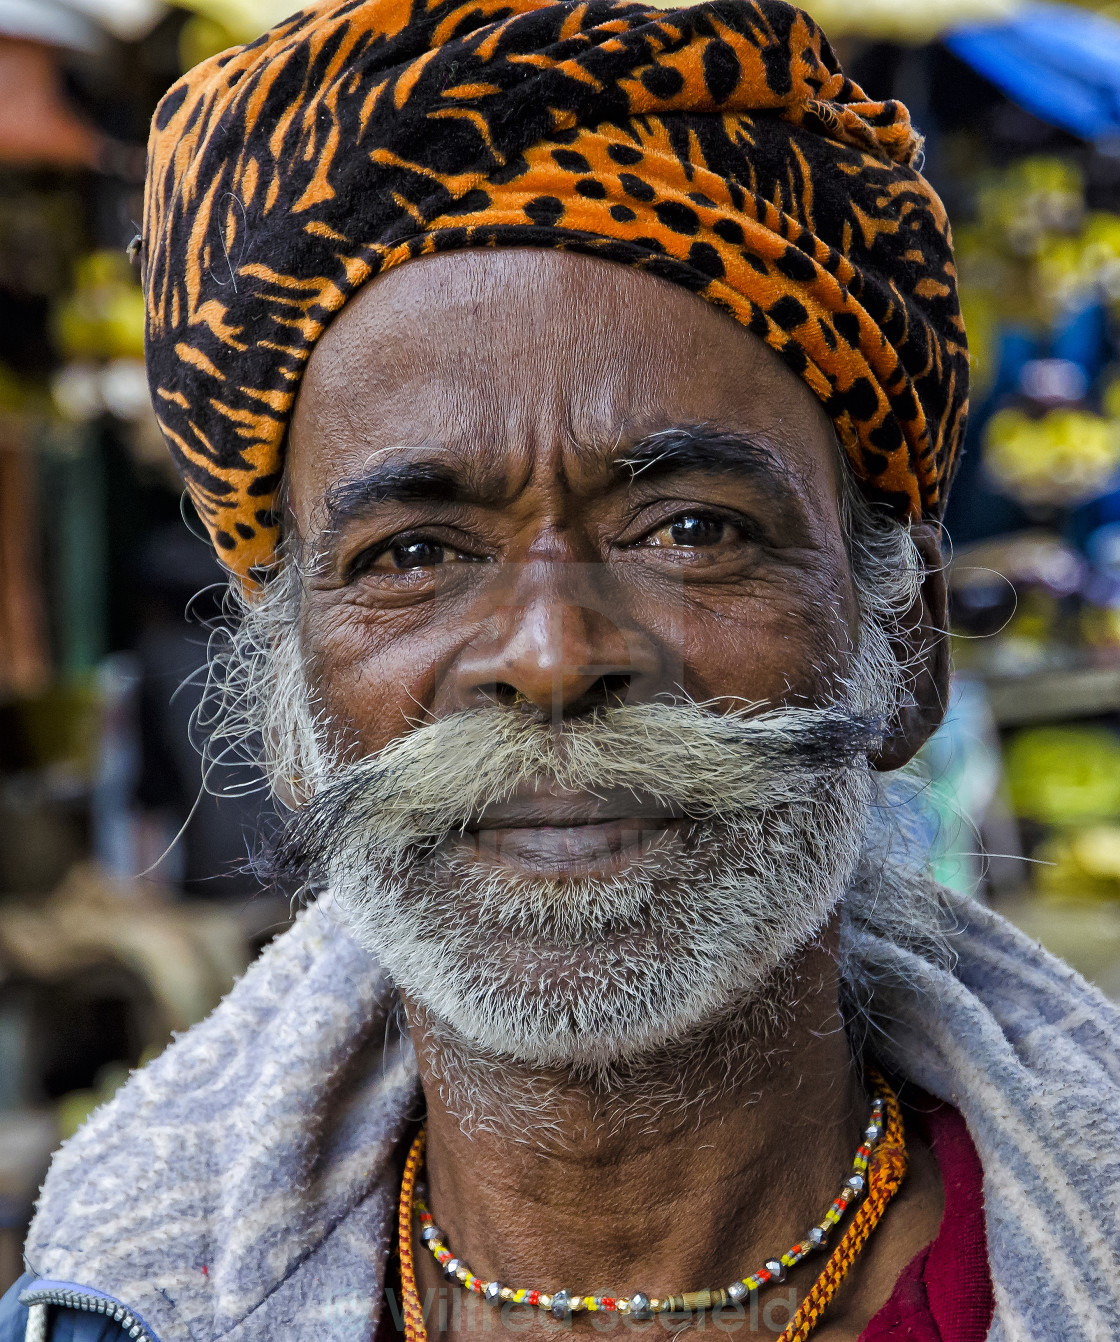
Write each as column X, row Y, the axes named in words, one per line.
column 719, row 146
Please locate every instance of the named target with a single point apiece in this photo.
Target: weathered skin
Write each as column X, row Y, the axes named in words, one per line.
column 528, row 374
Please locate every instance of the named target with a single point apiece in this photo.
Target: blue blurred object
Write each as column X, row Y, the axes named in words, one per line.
column 1059, row 62
column 962, row 771
column 1082, row 336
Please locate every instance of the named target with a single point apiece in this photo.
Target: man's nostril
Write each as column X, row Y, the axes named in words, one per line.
column 613, row 689
column 607, row 691
column 501, row 692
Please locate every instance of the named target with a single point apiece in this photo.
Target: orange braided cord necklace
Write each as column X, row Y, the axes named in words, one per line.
column 879, row 1167
column 886, row 1170
column 414, row 1328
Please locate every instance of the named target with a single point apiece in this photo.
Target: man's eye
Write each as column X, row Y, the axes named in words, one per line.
column 406, row 555
column 417, row 554
column 693, row 531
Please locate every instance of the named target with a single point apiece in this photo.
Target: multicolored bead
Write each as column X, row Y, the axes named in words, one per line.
column 563, row 1304
column 560, row 1306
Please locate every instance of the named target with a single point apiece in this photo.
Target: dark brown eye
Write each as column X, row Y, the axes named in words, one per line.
column 692, row 531
column 408, row 553
column 416, row 554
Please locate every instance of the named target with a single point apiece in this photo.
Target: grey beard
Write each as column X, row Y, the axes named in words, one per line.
column 594, row 973
column 555, row 1109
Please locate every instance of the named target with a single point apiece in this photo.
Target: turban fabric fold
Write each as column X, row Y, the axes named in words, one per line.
column 718, row 146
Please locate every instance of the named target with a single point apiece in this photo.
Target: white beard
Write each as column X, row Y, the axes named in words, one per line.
column 595, row 971
column 587, row 973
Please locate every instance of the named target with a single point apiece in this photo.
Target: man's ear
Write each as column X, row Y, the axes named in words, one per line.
column 923, row 646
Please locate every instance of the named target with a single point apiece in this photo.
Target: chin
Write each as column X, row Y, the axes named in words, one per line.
column 582, row 970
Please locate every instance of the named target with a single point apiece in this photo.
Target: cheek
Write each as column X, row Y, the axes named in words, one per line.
column 373, row 681
column 789, row 640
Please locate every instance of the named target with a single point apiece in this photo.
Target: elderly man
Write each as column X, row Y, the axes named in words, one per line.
column 572, row 391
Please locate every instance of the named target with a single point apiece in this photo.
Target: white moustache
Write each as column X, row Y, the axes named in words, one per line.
column 673, row 758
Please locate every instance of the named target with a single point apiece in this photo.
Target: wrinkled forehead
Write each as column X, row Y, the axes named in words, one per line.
column 501, row 364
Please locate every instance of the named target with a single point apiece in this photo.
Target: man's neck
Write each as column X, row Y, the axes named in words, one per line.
column 598, row 1192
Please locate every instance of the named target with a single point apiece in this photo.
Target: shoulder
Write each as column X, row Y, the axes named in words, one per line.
column 248, row 1150
column 65, row 1325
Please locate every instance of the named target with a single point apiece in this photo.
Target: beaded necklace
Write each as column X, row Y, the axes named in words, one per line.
column 877, row 1171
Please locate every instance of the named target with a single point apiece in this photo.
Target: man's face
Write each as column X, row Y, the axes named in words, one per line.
column 533, row 487
column 475, row 410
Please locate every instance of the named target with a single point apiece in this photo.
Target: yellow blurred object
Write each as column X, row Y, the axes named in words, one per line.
column 243, row 20
column 104, row 317
column 202, row 37
column 911, row 21
column 1035, row 617
column 981, row 321
column 1097, row 850
column 1110, row 398
column 1061, row 457
column 1100, row 626
column 1035, row 196
column 1073, row 269
column 1060, row 272
column 1100, row 252
column 1081, row 864
column 1024, row 259
column 1065, row 775
column 13, row 392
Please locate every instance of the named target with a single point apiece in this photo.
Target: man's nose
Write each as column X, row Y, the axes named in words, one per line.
column 563, row 646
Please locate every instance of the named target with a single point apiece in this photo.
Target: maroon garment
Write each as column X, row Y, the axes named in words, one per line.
column 945, row 1292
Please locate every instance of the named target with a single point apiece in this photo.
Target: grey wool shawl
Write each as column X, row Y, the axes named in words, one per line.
column 243, row 1185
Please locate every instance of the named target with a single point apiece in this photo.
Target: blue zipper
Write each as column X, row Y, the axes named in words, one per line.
column 66, row 1295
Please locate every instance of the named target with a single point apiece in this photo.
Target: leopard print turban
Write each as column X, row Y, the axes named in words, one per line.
column 719, row 146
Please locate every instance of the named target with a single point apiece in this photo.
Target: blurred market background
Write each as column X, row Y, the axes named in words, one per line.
column 128, row 903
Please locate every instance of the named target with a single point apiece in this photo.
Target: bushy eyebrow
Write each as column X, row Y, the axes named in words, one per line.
column 704, row 448
column 393, row 482
column 450, row 480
